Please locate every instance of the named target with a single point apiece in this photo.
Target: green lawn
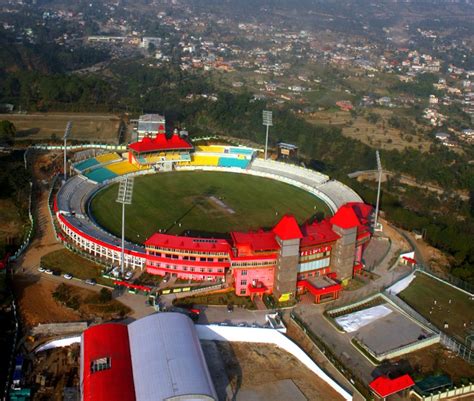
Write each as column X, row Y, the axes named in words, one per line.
column 422, row 293
column 68, row 262
column 181, row 201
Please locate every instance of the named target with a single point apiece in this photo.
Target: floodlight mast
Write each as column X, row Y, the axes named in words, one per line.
column 124, row 197
column 267, row 121
column 67, row 132
column 380, row 170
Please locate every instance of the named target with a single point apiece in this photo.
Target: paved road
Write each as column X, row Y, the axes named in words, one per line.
column 339, row 342
column 45, row 242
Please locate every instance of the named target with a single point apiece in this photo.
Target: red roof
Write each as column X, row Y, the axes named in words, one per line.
column 318, row 233
column 383, row 386
column 108, row 340
column 287, row 228
column 160, row 142
column 362, row 211
column 345, row 218
column 314, row 290
column 188, row 243
column 260, row 288
column 249, row 243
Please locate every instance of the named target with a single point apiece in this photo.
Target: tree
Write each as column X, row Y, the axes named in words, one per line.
column 373, row 118
column 7, row 131
column 105, row 295
column 151, row 48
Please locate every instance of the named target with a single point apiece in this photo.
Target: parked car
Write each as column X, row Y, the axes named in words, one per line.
column 56, row 272
column 128, row 275
column 48, row 271
column 67, row 276
column 41, row 269
column 90, row 281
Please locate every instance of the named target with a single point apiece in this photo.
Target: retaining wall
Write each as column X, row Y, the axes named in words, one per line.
column 268, row 336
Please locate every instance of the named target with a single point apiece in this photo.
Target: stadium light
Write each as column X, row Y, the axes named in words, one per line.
column 267, row 121
column 67, row 132
column 380, row 170
column 124, row 197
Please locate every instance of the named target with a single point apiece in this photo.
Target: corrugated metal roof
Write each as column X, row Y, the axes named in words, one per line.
column 167, row 359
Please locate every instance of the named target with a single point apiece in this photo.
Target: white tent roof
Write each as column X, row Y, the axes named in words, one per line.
column 167, row 359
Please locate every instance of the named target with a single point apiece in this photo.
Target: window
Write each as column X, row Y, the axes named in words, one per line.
column 243, row 291
column 101, row 364
column 243, row 273
column 243, row 282
column 202, row 259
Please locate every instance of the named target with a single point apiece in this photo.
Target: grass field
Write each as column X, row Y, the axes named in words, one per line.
column 85, row 126
column 452, row 306
column 69, row 262
column 202, row 203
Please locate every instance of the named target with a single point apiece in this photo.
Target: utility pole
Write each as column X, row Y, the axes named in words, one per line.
column 124, row 197
column 267, row 121
column 67, row 132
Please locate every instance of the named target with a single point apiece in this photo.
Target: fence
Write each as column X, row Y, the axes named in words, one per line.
column 448, row 278
column 460, row 349
column 83, row 146
column 454, row 392
column 11, row 363
column 31, row 229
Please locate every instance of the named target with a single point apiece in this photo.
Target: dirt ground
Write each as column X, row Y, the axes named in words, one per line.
column 85, row 126
column 436, row 259
column 37, row 305
column 380, row 135
column 51, row 371
column 436, row 359
column 250, row 365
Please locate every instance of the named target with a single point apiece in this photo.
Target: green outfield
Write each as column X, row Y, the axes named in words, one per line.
column 204, row 203
column 440, row 303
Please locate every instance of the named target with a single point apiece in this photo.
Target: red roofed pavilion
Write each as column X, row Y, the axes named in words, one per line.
column 160, row 143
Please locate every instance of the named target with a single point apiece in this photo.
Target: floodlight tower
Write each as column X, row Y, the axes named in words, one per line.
column 380, row 170
column 67, row 132
column 124, row 197
column 267, row 121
